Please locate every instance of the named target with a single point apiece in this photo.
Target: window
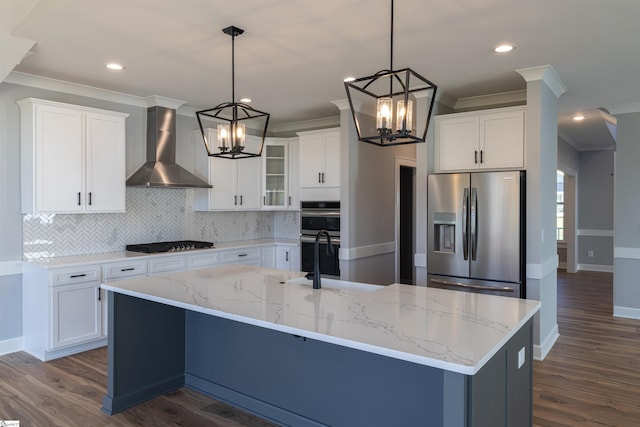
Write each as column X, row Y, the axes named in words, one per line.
column 560, row 206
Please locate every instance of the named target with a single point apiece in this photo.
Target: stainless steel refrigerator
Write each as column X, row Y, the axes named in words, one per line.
column 476, row 234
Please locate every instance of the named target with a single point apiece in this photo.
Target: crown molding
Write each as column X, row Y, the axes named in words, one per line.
column 476, row 102
column 321, row 123
column 547, row 74
column 625, row 109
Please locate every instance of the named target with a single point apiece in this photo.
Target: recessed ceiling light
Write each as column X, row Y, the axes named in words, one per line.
column 504, row 48
column 245, row 100
column 349, row 79
column 114, row 66
column 578, row 117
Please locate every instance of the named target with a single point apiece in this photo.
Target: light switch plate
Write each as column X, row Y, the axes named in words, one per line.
column 521, row 357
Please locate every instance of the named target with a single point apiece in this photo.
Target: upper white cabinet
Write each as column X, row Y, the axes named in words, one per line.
column 73, row 158
column 280, row 182
column 320, row 164
column 489, row 139
column 236, row 183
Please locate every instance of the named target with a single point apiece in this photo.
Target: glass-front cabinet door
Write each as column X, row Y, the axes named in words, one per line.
column 275, row 179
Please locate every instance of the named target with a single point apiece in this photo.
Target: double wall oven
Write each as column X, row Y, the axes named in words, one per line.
column 316, row 216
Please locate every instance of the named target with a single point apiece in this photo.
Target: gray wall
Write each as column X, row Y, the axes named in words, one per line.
column 626, row 286
column 595, row 209
column 568, row 157
column 368, row 205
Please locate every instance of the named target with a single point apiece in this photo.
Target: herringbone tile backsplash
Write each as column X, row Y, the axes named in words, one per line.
column 153, row 214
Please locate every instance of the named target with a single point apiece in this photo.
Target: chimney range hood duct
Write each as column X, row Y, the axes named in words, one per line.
column 161, row 169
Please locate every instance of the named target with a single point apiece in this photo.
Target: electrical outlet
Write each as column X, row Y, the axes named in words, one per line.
column 590, row 253
column 521, row 357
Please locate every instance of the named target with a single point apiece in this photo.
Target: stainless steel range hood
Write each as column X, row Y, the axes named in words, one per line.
column 161, row 169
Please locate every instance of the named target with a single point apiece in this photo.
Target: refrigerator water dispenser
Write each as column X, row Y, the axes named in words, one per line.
column 444, row 233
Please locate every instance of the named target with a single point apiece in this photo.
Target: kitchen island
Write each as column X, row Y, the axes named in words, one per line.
column 346, row 354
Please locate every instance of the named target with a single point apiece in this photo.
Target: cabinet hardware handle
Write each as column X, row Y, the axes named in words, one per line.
column 286, row 258
column 481, row 153
column 323, row 177
column 127, row 269
column 75, row 276
column 242, row 255
column 319, row 181
column 99, row 296
column 264, row 200
column 241, row 200
column 289, row 200
column 235, row 200
column 78, row 198
column 89, row 198
column 475, row 156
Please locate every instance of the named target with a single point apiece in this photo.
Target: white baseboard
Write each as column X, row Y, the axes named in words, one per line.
column 596, row 267
column 10, row 346
column 541, row 351
column 627, row 312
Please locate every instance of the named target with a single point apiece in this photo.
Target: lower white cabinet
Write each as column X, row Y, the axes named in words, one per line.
column 62, row 311
column 167, row 264
column 76, row 314
column 248, row 256
column 65, row 311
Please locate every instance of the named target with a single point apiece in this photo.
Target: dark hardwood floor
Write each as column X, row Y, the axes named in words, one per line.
column 591, row 377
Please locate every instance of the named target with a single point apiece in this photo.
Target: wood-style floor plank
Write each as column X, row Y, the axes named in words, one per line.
column 591, row 377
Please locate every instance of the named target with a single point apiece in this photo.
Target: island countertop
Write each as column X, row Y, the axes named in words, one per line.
column 450, row 330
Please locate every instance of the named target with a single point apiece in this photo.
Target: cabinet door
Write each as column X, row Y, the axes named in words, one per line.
column 283, row 258
column 275, row 175
column 502, row 139
column 76, row 312
column 105, row 163
column 458, row 142
column 293, row 202
column 223, row 179
column 331, row 177
column 311, row 160
column 248, row 179
column 59, row 160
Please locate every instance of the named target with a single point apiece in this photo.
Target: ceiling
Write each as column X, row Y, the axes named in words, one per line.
column 294, row 54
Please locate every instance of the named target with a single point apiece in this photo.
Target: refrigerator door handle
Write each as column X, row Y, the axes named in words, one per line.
column 473, row 219
column 465, row 224
column 471, row 286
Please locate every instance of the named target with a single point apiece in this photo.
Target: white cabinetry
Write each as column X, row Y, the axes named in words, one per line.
column 288, row 257
column 73, row 158
column 280, row 171
column 62, row 311
column 167, row 264
column 320, row 165
column 489, row 139
column 249, row 256
column 236, row 183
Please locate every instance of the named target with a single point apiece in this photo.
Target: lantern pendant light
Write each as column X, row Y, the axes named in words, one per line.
column 231, row 120
column 391, row 96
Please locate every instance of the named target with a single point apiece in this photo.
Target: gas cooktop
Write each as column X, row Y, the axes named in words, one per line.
column 177, row 246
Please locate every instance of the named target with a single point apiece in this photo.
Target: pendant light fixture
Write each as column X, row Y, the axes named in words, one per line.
column 384, row 105
column 232, row 120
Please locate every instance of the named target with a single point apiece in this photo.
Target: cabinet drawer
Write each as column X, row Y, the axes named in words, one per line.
column 68, row 276
column 248, row 255
column 120, row 270
column 202, row 260
column 167, row 264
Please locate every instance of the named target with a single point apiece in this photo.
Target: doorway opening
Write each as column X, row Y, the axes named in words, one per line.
column 405, row 220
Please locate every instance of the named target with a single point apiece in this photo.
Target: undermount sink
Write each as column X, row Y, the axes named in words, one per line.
column 337, row 284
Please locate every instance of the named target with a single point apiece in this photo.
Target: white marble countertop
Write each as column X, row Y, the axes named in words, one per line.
column 78, row 260
column 450, row 330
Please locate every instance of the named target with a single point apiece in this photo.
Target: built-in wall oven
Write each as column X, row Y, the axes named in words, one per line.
column 316, row 216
